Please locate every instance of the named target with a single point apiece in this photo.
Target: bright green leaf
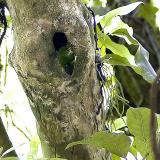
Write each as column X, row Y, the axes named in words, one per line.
column 115, row 157
column 97, row 3
column 133, row 151
column 118, row 12
column 122, row 56
column 144, row 148
column 9, row 21
column 158, row 120
column 118, row 124
column 144, row 67
column 117, row 143
column 114, row 59
column 138, row 122
column 124, row 33
column 117, row 49
column 85, row 1
column 121, row 29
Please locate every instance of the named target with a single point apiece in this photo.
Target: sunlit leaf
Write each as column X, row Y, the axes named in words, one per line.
column 118, row 124
column 117, row 49
column 9, row 21
column 121, row 29
column 124, row 33
column 133, row 151
column 117, row 143
column 118, row 12
column 85, row 1
column 158, row 120
column 144, row 67
column 114, row 59
column 115, row 157
column 97, row 3
column 138, row 122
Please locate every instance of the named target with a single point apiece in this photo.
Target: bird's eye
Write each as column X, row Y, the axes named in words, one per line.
column 59, row 40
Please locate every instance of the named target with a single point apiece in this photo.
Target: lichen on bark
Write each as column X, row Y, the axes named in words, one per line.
column 64, row 105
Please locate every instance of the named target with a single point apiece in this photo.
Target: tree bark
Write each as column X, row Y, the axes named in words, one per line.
column 63, row 104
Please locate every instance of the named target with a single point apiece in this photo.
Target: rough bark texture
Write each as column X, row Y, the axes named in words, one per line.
column 4, row 140
column 64, row 105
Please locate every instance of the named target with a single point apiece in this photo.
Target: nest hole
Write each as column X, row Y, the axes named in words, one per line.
column 59, row 40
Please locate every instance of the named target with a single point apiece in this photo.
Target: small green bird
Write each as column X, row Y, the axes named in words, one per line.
column 66, row 59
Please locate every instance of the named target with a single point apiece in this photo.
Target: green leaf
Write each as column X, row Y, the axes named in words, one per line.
column 85, row 1
column 144, row 148
column 9, row 21
column 114, row 59
column 117, row 143
column 127, row 35
column 118, row 12
column 138, row 122
column 133, row 151
column 117, row 49
column 115, row 157
column 113, row 25
column 144, row 67
column 158, row 120
column 121, row 29
column 97, row 3
column 118, row 124
column 122, row 56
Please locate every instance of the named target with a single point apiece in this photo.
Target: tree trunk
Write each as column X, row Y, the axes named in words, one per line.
column 63, row 103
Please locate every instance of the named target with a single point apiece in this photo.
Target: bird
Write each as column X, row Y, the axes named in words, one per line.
column 66, row 58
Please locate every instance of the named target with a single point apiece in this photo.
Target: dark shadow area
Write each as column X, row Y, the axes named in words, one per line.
column 64, row 52
column 59, row 40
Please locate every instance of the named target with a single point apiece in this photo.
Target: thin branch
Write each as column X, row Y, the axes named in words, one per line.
column 154, row 105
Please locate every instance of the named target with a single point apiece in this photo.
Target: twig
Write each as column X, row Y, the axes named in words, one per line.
column 154, row 105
